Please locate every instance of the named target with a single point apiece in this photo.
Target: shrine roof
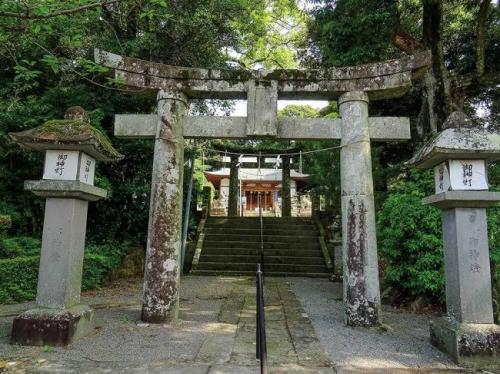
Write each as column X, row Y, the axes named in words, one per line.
column 379, row 80
column 254, row 174
column 68, row 134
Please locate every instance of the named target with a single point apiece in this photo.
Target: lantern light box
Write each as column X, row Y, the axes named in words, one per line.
column 461, row 175
column 69, row 165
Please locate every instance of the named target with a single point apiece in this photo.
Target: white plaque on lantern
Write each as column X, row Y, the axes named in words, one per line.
column 468, row 175
column 61, row 165
column 442, row 178
column 87, row 169
column 69, row 165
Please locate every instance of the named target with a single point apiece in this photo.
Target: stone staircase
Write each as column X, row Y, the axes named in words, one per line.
column 230, row 246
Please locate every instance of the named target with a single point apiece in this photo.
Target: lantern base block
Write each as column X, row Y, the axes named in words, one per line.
column 462, row 199
column 52, row 327
column 469, row 344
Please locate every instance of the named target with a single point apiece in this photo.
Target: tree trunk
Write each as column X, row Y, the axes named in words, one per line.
column 436, row 103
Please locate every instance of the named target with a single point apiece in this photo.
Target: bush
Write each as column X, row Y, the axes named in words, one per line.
column 19, row 246
column 18, row 278
column 19, row 275
column 410, row 237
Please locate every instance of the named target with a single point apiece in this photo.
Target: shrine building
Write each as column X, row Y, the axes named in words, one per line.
column 251, row 181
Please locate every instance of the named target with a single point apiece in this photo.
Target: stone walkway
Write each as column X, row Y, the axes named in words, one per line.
column 401, row 345
column 216, row 334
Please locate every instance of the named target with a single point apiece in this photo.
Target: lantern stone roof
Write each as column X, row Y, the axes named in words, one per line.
column 72, row 133
column 458, row 143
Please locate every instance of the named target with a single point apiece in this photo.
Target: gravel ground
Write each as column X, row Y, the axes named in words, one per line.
column 405, row 345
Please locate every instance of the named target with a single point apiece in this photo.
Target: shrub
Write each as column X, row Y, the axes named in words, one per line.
column 18, row 278
column 19, row 275
column 19, row 246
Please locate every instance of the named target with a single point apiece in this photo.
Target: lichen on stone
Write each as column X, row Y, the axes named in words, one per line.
column 68, row 132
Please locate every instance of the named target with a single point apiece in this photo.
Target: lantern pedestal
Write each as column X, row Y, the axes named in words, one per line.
column 474, row 345
column 52, row 326
column 467, row 333
column 59, row 317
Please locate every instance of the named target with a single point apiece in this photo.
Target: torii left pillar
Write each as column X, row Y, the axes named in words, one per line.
column 162, row 271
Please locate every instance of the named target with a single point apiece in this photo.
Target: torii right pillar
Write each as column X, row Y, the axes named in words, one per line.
column 361, row 283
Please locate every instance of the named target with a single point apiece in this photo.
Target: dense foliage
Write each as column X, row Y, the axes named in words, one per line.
column 410, row 236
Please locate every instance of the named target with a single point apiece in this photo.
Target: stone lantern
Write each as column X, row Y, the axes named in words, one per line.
column 72, row 147
column 459, row 156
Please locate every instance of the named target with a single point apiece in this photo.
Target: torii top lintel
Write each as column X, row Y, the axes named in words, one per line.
column 381, row 80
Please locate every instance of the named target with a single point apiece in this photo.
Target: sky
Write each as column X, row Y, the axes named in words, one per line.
column 240, row 107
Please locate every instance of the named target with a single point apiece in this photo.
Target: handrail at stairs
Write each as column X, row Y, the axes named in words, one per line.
column 200, row 233
column 261, row 346
column 261, row 252
column 322, row 243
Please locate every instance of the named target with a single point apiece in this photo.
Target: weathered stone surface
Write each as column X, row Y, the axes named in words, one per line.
column 72, row 133
column 61, row 259
column 262, row 108
column 458, row 143
column 140, row 126
column 65, row 189
column 462, row 199
column 472, row 345
column 467, row 265
column 361, row 284
column 381, row 80
column 53, row 327
column 162, row 268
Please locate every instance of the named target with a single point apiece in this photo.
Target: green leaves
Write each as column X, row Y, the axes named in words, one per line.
column 409, row 236
column 352, row 32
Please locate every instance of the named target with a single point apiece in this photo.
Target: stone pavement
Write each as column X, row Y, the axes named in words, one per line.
column 401, row 345
column 215, row 334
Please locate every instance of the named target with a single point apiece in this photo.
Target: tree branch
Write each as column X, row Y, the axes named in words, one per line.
column 65, row 12
column 401, row 39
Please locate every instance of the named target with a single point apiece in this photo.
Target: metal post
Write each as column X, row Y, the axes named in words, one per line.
column 261, row 234
column 261, row 323
column 187, row 213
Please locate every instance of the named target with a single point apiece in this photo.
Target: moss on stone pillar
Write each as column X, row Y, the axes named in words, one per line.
column 232, row 210
column 286, row 201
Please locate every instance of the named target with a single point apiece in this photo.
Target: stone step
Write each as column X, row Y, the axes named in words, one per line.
column 268, row 252
column 288, row 228
column 282, row 231
column 212, row 243
column 235, row 222
column 235, row 266
column 232, row 273
column 280, row 219
column 256, row 238
column 254, row 259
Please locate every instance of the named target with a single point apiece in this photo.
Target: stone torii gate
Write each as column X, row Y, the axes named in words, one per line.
column 352, row 86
